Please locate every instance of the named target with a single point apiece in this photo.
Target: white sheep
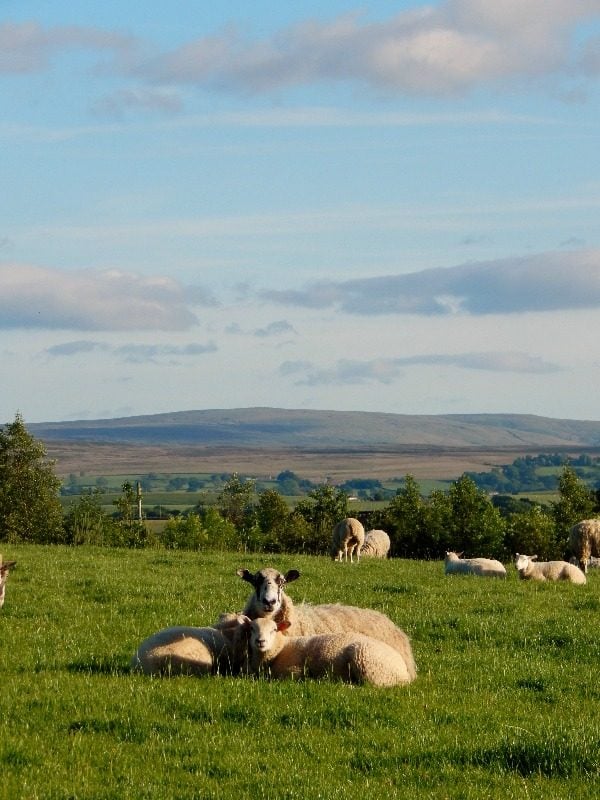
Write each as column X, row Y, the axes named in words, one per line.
column 377, row 544
column 532, row 570
column 270, row 601
column 186, row 650
column 348, row 538
column 484, row 567
column 351, row 657
column 584, row 541
column 5, row 568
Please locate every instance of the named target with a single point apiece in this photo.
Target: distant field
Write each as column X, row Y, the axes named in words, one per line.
column 505, row 706
column 94, row 459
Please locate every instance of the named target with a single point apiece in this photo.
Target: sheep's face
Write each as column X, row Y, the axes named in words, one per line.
column 268, row 585
column 522, row 562
column 262, row 634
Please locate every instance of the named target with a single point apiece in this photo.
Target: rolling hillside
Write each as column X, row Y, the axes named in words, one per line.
column 275, row 428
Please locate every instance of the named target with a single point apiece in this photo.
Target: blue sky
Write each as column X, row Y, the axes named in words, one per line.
column 388, row 207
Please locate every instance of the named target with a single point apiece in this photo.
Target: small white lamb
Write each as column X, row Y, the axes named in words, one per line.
column 484, row 567
column 350, row 657
column 532, row 570
column 377, row 544
column 269, row 600
column 348, row 538
column 5, row 568
column 186, row 650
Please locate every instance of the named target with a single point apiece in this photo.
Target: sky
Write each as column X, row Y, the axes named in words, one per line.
column 389, row 207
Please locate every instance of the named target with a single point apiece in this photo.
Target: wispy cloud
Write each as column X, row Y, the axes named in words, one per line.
column 388, row 370
column 274, row 329
column 132, row 353
column 543, row 282
column 449, row 47
column 35, row 297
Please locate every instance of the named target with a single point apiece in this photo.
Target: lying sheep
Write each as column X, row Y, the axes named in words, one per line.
column 377, row 544
column 529, row 569
column 584, row 541
column 5, row 568
column 270, row 601
column 348, row 538
column 185, row 650
column 350, row 657
column 484, row 567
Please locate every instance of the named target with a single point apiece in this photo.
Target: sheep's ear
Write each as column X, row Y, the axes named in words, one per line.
column 291, row 575
column 245, row 575
column 283, row 625
column 244, row 620
column 532, row 558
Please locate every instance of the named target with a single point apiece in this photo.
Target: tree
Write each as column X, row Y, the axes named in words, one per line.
column 235, row 501
column 87, row 523
column 325, row 507
column 576, row 502
column 30, row 509
column 185, row 533
column 532, row 532
column 405, row 521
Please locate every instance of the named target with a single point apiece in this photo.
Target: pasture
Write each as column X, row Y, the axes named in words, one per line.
column 506, row 703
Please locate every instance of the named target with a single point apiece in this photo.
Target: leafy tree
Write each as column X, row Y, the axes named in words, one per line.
column 406, row 522
column 87, row 523
column 185, row 533
column 30, row 509
column 322, row 510
column 235, row 501
column 532, row 532
column 576, row 502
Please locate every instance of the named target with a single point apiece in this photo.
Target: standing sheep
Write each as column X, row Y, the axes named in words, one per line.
column 348, row 538
column 529, row 569
column 484, row 567
column 377, row 544
column 351, row 657
column 185, row 650
column 270, row 601
column 4, row 570
column 584, row 541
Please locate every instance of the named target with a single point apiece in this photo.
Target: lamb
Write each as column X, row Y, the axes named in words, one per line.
column 269, row 600
column 528, row 569
column 5, row 568
column 185, row 650
column 348, row 538
column 484, row 567
column 377, row 544
column 584, row 541
column 351, row 657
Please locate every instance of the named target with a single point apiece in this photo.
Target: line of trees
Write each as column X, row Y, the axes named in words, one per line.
column 463, row 519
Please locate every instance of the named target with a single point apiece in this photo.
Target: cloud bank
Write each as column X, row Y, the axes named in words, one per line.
column 542, row 282
column 387, row 370
column 35, row 297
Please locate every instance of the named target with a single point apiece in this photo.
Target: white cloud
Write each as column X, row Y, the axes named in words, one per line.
column 388, row 370
column 274, row 329
column 132, row 353
column 542, row 282
column 35, row 297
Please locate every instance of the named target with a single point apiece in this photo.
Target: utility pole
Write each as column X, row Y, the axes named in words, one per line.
column 139, row 500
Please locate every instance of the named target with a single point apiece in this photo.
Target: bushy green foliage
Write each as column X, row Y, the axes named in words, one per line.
column 505, row 704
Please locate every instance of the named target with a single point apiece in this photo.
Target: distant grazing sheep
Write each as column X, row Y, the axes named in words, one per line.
column 584, row 541
column 270, row 601
column 377, row 544
column 185, row 650
column 5, row 568
column 484, row 567
column 348, row 538
column 532, row 570
column 351, row 657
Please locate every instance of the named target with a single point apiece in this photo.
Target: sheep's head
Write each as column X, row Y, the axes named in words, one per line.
column 522, row 562
column 263, row 633
column 4, row 570
column 452, row 556
column 268, row 586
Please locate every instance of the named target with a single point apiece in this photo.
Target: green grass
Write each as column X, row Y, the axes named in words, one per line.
column 506, row 704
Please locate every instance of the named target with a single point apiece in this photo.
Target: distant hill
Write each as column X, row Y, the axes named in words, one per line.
column 269, row 428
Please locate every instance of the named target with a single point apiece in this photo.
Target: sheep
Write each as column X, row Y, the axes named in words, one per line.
column 528, row 569
column 185, row 650
column 484, row 567
column 584, row 541
column 5, row 568
column 377, row 544
column 348, row 538
column 351, row 657
column 269, row 600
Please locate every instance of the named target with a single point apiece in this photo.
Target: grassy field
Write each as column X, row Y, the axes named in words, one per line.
column 506, row 704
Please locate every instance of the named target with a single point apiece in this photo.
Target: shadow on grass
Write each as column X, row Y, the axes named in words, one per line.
column 101, row 667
